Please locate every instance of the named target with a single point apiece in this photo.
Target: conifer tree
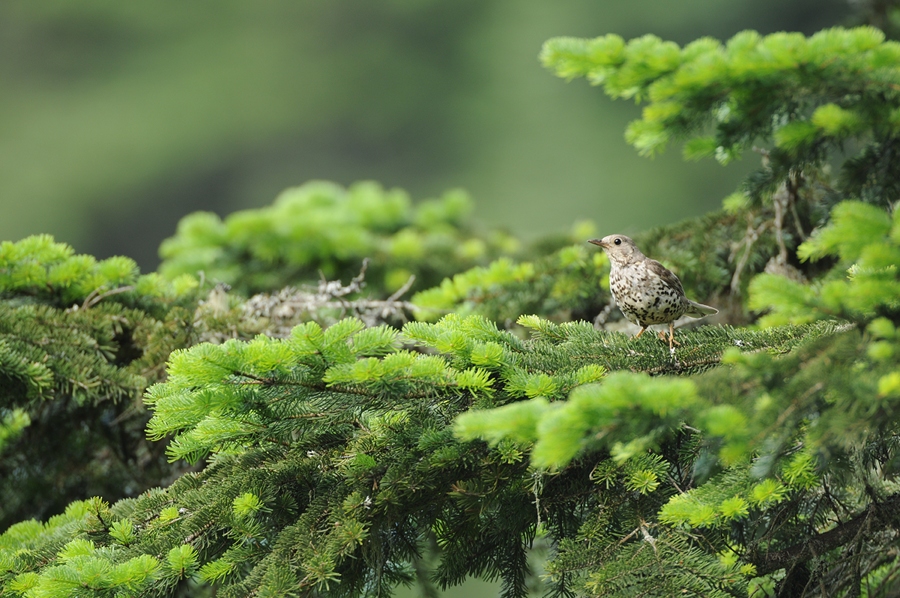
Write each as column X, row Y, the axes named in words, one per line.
column 750, row 461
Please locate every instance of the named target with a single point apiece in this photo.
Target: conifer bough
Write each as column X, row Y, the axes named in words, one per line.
column 804, row 97
column 761, row 462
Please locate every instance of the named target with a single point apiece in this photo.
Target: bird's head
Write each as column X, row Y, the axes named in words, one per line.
column 620, row 249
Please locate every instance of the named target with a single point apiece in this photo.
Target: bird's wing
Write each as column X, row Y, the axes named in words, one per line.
column 666, row 275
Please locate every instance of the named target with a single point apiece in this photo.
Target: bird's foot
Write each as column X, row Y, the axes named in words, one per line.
column 672, row 342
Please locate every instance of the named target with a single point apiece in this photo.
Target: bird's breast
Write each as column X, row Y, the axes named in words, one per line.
column 643, row 297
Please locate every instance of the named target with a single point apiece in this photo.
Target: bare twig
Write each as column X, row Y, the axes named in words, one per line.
column 750, row 237
column 94, row 297
column 290, row 306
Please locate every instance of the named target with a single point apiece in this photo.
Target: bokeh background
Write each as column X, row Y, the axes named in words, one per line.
column 118, row 118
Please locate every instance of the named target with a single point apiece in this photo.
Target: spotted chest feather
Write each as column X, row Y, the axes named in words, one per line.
column 647, row 293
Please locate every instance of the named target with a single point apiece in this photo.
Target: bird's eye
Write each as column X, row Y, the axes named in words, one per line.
column 618, row 241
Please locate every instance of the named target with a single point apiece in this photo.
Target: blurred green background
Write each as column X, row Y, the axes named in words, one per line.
column 118, row 118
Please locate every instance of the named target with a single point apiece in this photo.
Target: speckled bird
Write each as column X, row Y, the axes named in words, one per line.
column 645, row 291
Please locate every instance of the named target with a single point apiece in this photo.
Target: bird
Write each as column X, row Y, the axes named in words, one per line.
column 646, row 292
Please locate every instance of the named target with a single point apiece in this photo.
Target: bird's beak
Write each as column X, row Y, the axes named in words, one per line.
column 597, row 242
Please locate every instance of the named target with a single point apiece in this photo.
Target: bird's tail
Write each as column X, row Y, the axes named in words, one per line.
column 698, row 310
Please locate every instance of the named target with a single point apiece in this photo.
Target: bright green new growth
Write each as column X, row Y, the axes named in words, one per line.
column 615, row 410
column 321, row 228
column 801, row 97
column 798, row 437
column 39, row 279
column 50, row 272
column 865, row 283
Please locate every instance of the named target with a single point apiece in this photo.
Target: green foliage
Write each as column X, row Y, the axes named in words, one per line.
column 367, row 424
column 80, row 340
column 474, row 287
column 864, row 284
column 806, row 96
column 629, row 413
column 714, row 256
column 806, row 439
column 803, row 103
column 745, row 462
column 48, row 272
column 613, row 410
column 11, row 426
column 323, row 229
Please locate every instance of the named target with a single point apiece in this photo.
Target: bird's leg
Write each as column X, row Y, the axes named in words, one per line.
column 671, row 336
column 638, row 335
column 672, row 341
